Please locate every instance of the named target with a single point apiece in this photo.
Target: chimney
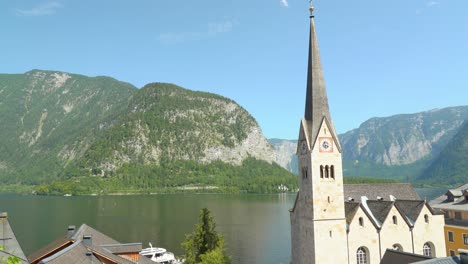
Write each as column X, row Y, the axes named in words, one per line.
column 71, row 230
column 87, row 240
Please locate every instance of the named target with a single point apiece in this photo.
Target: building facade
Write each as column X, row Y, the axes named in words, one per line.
column 454, row 205
column 336, row 223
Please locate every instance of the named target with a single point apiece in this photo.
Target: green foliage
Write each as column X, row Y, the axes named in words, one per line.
column 253, row 176
column 362, row 180
column 10, row 259
column 205, row 245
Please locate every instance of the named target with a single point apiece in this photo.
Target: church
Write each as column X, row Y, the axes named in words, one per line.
column 332, row 222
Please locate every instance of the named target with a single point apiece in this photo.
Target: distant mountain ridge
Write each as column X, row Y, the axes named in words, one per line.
column 399, row 147
column 68, row 128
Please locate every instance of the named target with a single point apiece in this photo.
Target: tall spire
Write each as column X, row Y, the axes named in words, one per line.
column 316, row 108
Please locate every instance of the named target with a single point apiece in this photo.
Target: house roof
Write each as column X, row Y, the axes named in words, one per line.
column 8, row 240
column 446, row 260
column 380, row 209
column 72, row 249
column 460, row 204
column 410, row 208
column 123, row 248
column 401, row 191
column 393, row 256
column 350, row 210
column 51, row 248
column 75, row 253
column 98, row 238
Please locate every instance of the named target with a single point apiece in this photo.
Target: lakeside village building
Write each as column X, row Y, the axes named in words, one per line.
column 454, row 205
column 356, row 224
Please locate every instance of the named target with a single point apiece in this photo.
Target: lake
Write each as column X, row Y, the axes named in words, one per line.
column 256, row 227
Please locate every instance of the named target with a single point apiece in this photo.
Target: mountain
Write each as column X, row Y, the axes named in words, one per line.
column 166, row 123
column 77, row 134
column 285, row 153
column 450, row 167
column 48, row 118
column 399, row 146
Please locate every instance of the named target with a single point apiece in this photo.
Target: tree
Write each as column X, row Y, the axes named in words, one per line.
column 205, row 245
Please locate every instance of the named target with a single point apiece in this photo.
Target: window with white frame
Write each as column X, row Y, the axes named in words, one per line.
column 465, row 239
column 427, row 250
column 361, row 256
column 450, row 236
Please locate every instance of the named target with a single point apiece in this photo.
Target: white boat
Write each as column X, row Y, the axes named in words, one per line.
column 158, row 255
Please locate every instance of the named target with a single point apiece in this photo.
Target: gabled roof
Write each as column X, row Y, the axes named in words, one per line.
column 443, row 203
column 8, row 240
column 410, row 209
column 98, row 238
column 72, row 249
column 401, row 191
column 350, row 210
column 380, row 210
column 316, row 108
column 455, row 192
column 51, row 248
column 75, row 253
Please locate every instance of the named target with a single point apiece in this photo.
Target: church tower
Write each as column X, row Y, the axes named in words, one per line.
column 318, row 225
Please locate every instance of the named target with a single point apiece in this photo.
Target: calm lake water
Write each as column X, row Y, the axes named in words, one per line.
column 256, row 227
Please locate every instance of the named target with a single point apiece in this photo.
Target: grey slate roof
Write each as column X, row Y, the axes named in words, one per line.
column 316, row 108
column 350, row 210
column 8, row 240
column 459, row 204
column 98, row 238
column 75, row 253
column 402, row 191
column 410, row 208
column 380, row 209
column 393, row 257
column 446, row 260
column 123, row 248
column 72, row 249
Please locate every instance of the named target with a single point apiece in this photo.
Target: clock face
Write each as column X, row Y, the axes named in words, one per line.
column 326, row 144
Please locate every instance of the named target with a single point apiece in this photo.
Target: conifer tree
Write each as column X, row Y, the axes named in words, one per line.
column 205, row 245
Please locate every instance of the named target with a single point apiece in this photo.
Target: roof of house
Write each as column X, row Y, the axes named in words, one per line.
column 393, row 256
column 98, row 238
column 460, row 204
column 380, row 209
column 123, row 248
column 410, row 208
column 401, row 191
column 446, row 260
column 85, row 245
column 350, row 210
column 8, row 240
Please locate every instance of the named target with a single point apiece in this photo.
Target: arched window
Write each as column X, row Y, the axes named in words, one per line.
column 321, row 171
column 332, row 172
column 361, row 256
column 426, row 218
column 397, row 247
column 327, row 171
column 361, row 221
column 395, row 220
column 427, row 250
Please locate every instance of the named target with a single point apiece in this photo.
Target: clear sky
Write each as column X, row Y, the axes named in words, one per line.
column 379, row 57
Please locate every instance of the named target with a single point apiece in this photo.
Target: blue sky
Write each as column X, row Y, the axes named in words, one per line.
column 379, row 57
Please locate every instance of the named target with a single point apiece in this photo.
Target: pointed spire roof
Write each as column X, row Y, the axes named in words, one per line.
column 316, row 108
